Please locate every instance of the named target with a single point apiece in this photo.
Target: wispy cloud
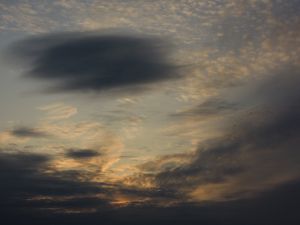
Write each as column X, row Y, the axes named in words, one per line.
column 58, row 111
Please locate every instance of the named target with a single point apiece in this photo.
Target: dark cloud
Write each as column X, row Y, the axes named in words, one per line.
column 28, row 132
column 95, row 62
column 30, row 186
column 27, row 184
column 82, row 153
column 211, row 164
column 270, row 207
column 258, row 149
column 24, row 176
column 277, row 206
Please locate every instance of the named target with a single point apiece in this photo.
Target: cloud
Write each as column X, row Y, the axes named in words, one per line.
column 31, row 184
column 93, row 62
column 257, row 150
column 82, row 153
column 27, row 179
column 58, row 111
column 25, row 132
column 212, row 107
column 269, row 207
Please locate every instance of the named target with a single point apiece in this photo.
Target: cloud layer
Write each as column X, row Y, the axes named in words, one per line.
column 30, row 193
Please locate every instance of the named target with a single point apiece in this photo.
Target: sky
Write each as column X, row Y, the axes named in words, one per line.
column 149, row 112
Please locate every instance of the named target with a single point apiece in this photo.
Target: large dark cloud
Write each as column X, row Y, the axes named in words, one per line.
column 31, row 187
column 24, row 176
column 277, row 206
column 95, row 62
column 258, row 149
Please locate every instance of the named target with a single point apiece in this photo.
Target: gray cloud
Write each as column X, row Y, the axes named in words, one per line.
column 82, row 153
column 28, row 132
column 30, row 184
column 94, row 62
column 269, row 207
column 23, row 176
column 258, row 149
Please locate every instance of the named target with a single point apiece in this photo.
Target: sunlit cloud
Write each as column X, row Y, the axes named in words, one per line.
column 58, row 111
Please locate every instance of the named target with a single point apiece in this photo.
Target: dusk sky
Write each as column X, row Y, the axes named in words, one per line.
column 150, row 112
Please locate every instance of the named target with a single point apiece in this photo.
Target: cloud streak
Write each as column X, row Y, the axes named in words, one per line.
column 24, row 132
column 82, row 153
